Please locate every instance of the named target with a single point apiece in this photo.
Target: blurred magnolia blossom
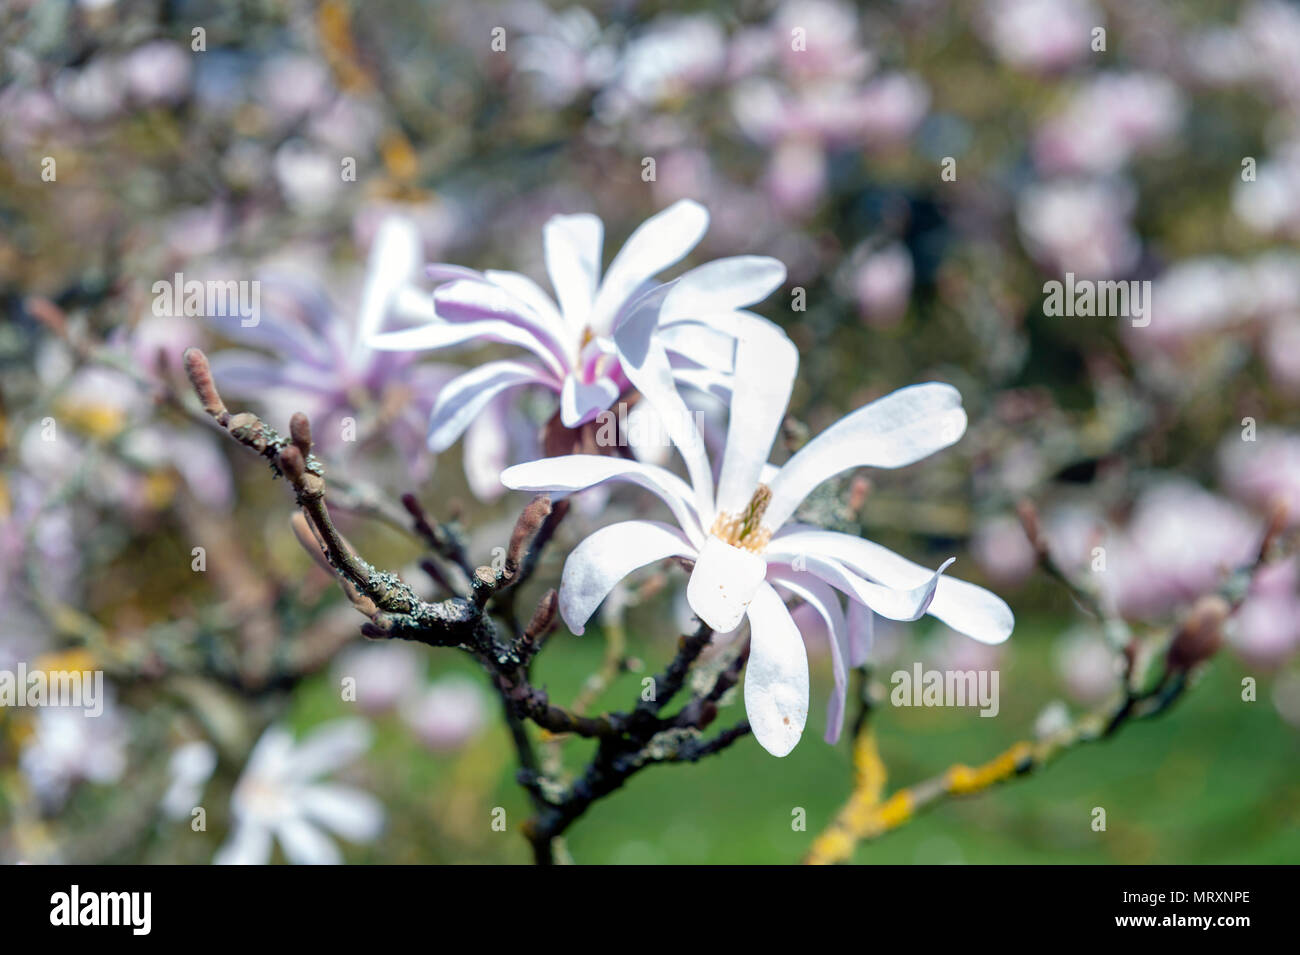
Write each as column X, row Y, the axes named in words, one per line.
column 1270, row 203
column 384, row 674
column 563, row 52
column 158, row 72
column 68, row 746
column 831, row 47
column 39, row 530
column 821, row 99
column 100, row 406
column 1264, row 472
column 803, row 124
column 1178, row 544
column 280, row 798
column 672, row 57
column 448, row 714
column 739, row 534
column 1040, row 35
column 882, row 284
column 575, row 353
column 189, row 769
column 1002, row 550
column 1211, row 298
column 307, row 355
column 1266, row 628
column 1088, row 666
column 1080, row 226
column 1112, row 118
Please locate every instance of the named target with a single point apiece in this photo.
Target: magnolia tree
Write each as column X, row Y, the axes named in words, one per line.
column 742, row 532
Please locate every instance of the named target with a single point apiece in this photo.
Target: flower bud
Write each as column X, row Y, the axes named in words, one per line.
column 1200, row 635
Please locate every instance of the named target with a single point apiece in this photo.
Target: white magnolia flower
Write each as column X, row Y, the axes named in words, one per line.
column 278, row 795
column 574, row 352
column 738, row 530
column 190, row 768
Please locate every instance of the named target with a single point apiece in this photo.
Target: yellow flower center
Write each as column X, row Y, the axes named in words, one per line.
column 746, row 530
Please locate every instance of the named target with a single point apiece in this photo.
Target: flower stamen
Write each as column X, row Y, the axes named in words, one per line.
column 746, row 530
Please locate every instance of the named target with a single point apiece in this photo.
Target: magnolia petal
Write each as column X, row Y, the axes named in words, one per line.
column 251, row 374
column 304, row 844
column 576, row 472
column 723, row 583
column 700, row 344
column 473, row 301
column 572, row 247
column 890, row 432
column 723, row 285
column 646, row 365
column 486, row 450
column 894, row 603
column 657, row 243
column 461, row 401
column 965, row 607
column 705, row 380
column 393, row 262
column 538, row 302
column 823, row 599
column 438, row 335
column 448, row 272
column 609, row 555
column 331, row 746
column 351, row 813
column 766, row 362
column 249, row 844
column 581, row 402
column 776, row 676
column 861, row 632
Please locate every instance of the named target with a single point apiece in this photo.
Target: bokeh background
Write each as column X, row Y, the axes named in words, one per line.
column 1170, row 155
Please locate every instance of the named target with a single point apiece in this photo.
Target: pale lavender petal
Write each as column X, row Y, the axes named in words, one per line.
column 464, row 399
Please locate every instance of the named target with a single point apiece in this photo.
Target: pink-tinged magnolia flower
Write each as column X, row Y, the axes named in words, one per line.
column 1265, row 471
column 1107, row 122
column 316, row 360
column 279, row 796
column 448, row 714
column 1040, row 35
column 70, row 745
column 1179, row 543
column 573, row 348
column 738, row 530
column 1080, row 226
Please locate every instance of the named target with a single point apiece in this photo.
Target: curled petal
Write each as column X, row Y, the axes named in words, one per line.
column 965, row 607
column 464, row 399
column 609, row 555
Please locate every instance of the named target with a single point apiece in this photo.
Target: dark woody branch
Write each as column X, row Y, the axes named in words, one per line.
column 627, row 742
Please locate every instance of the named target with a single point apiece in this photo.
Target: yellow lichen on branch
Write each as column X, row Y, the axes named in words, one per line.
column 865, row 816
